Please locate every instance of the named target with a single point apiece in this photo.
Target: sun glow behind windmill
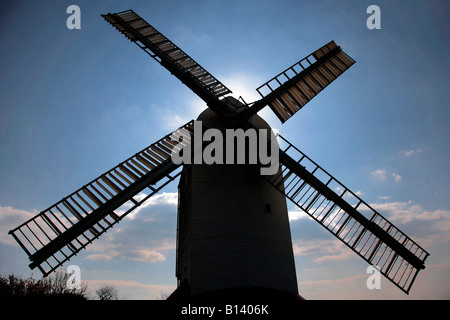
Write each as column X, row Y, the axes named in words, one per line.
column 233, row 229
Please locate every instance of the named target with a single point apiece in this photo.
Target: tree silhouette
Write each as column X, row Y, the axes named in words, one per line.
column 107, row 292
column 52, row 287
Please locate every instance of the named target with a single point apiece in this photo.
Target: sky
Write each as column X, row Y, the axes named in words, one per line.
column 74, row 103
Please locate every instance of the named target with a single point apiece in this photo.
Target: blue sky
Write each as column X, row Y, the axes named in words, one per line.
column 74, row 103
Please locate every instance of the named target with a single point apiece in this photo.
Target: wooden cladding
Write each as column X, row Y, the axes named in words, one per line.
column 301, row 82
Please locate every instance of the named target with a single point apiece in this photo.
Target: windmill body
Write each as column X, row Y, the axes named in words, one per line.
column 233, row 227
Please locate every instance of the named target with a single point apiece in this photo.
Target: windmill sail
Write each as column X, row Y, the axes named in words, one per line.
column 290, row 90
column 56, row 234
column 349, row 218
column 205, row 85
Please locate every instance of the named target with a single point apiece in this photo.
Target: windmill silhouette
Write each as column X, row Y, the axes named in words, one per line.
column 233, row 227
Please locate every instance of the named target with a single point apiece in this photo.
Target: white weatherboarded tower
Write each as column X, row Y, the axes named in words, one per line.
column 233, row 227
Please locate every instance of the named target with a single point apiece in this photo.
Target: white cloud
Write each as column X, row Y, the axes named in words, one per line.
column 175, row 120
column 171, row 120
column 379, row 174
column 146, row 235
column 11, row 218
column 129, row 247
column 428, row 285
column 406, row 212
column 144, row 241
column 97, row 257
column 164, row 198
column 382, row 175
column 144, row 255
column 325, row 250
column 433, row 226
column 297, row 214
column 411, row 152
column 131, row 239
column 328, row 282
column 330, row 259
column 342, row 254
column 359, row 193
column 397, row 177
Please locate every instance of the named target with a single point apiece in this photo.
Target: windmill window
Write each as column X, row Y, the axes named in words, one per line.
column 267, row 208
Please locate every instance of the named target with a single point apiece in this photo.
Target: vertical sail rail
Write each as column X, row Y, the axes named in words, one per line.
column 348, row 217
column 58, row 233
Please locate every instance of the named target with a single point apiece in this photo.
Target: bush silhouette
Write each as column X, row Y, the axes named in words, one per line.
column 53, row 287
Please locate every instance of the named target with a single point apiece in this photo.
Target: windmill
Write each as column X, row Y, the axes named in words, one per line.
column 233, row 228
